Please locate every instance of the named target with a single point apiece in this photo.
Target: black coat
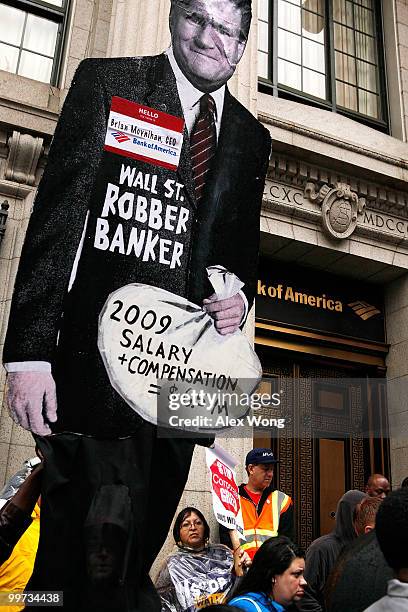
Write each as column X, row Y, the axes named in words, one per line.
column 224, row 230
column 359, row 577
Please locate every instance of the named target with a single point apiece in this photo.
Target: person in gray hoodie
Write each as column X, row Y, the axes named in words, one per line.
column 322, row 554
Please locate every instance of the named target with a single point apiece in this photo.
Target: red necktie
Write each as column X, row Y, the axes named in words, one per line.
column 203, row 142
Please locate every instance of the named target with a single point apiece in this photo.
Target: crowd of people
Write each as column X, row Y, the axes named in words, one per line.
column 361, row 565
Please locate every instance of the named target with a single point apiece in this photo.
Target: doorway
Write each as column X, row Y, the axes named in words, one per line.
column 321, row 456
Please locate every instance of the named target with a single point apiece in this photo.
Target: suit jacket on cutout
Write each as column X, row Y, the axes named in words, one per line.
column 223, row 230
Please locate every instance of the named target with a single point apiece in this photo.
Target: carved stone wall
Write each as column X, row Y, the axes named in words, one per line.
column 23, row 157
column 21, row 161
column 298, row 172
column 299, row 194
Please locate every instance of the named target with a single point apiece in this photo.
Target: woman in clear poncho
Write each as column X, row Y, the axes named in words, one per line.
column 198, row 573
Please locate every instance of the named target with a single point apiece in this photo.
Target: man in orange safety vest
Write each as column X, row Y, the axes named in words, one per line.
column 266, row 511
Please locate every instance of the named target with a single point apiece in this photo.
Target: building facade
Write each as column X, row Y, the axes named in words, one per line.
column 329, row 79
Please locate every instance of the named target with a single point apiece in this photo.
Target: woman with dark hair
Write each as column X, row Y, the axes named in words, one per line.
column 190, row 529
column 275, row 579
column 198, row 573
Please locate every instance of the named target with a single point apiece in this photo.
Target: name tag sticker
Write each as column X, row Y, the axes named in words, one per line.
column 144, row 133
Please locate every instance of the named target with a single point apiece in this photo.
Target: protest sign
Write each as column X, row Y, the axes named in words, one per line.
column 225, row 494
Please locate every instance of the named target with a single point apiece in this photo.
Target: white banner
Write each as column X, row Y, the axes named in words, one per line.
column 225, row 495
column 164, row 356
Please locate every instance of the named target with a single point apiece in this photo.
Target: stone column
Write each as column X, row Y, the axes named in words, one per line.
column 396, row 305
column 244, row 83
column 401, row 32
column 138, row 27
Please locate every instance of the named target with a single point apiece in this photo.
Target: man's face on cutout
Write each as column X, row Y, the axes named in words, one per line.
column 207, row 41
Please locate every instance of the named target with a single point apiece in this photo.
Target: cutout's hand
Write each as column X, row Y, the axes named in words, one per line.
column 32, row 401
column 227, row 314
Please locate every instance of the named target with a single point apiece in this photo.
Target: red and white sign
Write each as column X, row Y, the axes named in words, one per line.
column 144, row 133
column 224, row 488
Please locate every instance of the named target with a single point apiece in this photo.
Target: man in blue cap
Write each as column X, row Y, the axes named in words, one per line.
column 266, row 512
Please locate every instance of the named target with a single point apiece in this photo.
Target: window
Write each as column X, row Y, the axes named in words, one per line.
column 329, row 51
column 30, row 37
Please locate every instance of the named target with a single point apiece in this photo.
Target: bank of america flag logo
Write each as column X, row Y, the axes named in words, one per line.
column 120, row 136
column 363, row 310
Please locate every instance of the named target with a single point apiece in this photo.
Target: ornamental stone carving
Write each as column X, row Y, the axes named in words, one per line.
column 24, row 155
column 3, row 218
column 340, row 208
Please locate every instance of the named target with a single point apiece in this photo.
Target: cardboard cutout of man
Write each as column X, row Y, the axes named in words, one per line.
column 72, row 260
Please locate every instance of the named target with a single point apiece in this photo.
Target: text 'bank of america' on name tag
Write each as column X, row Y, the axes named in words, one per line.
column 144, row 133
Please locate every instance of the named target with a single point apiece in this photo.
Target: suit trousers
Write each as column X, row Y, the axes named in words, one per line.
column 154, row 471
